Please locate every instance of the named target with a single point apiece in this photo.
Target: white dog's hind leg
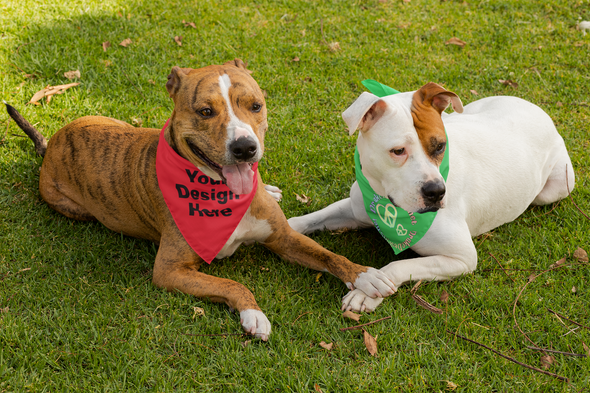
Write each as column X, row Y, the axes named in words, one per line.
column 560, row 181
column 346, row 213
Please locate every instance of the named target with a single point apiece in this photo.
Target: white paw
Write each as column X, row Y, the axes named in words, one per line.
column 255, row 323
column 358, row 301
column 274, row 192
column 374, row 283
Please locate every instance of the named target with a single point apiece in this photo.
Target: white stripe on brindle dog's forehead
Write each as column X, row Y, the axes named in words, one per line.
column 236, row 128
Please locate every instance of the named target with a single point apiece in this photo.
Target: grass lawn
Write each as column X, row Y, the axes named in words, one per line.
column 78, row 311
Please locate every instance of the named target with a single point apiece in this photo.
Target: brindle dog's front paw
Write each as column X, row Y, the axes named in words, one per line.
column 274, row 192
column 358, row 301
column 255, row 323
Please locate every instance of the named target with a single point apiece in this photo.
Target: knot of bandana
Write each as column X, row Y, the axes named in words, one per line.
column 401, row 229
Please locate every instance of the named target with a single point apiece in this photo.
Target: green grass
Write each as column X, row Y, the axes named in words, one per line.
column 79, row 312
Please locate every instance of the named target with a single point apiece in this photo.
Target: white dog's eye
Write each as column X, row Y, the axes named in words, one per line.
column 398, row 152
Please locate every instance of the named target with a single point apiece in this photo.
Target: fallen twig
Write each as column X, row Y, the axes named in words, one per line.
column 511, row 359
column 581, row 355
column 364, row 324
column 296, row 319
column 505, row 272
column 567, row 319
column 423, row 303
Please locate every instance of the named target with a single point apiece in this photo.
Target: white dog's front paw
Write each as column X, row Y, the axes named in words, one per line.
column 274, row 192
column 358, row 301
column 374, row 283
column 255, row 323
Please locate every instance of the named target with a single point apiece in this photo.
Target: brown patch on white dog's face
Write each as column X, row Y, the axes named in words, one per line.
column 427, row 105
column 201, row 121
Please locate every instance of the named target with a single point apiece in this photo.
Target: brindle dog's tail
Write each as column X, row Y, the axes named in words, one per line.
column 36, row 137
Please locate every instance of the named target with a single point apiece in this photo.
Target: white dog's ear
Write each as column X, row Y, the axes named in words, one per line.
column 364, row 112
column 440, row 98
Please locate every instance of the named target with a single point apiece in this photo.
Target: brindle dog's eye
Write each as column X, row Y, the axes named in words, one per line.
column 256, row 108
column 206, row 112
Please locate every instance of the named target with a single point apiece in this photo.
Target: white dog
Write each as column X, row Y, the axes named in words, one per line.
column 504, row 154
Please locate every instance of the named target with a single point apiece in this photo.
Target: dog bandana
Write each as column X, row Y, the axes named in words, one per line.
column 400, row 228
column 205, row 210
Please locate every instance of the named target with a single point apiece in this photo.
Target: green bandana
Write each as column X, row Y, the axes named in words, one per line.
column 400, row 228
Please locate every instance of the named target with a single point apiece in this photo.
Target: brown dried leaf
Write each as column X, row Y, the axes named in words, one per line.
column 334, row 46
column 106, row 45
column 151, row 81
column 106, row 62
column 581, row 255
column 198, row 312
column 126, row 42
column 326, row 346
column 475, row 93
column 295, row 58
column 317, row 388
column 5, row 309
column 72, row 74
column 444, row 296
column 178, row 40
column 303, row 198
column 451, row 385
column 189, row 24
column 49, row 91
column 456, row 41
column 245, row 343
column 351, row 315
column 547, row 361
column 508, row 82
column 370, row 343
column 532, row 277
column 556, row 264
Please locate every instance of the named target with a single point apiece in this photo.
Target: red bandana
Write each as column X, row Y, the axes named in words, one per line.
column 205, row 210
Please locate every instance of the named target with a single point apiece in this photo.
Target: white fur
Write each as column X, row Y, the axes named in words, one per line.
column 274, row 192
column 236, row 127
column 249, row 230
column 255, row 323
column 505, row 154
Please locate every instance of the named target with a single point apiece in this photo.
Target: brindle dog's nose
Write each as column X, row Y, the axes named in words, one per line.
column 433, row 191
column 243, row 148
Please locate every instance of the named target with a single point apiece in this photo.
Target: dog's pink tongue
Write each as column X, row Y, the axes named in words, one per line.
column 240, row 178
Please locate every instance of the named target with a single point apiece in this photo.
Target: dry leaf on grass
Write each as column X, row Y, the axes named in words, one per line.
column 326, row 346
column 334, row 46
column 178, row 40
column 444, row 296
column 456, row 41
column 424, row 304
column 317, row 388
column 581, row 255
column 451, row 385
column 303, row 199
column 475, row 93
column 136, row 122
column 351, row 315
column 556, row 264
column 50, row 91
column 198, row 312
column 106, row 45
column 317, row 277
column 370, row 343
column 295, row 59
column 106, row 62
column 72, row 74
column 126, row 42
column 245, row 343
column 189, row 24
column 151, row 81
column 547, row 361
column 508, row 82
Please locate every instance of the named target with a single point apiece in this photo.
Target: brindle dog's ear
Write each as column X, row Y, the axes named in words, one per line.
column 174, row 80
column 238, row 63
